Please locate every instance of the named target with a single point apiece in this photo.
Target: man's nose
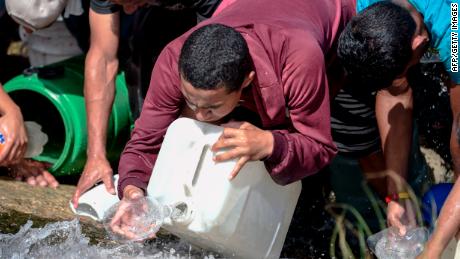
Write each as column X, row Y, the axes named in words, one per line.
column 202, row 114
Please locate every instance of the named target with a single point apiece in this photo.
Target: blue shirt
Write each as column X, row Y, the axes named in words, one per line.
column 436, row 16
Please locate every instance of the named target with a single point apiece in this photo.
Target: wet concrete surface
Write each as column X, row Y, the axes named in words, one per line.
column 20, row 202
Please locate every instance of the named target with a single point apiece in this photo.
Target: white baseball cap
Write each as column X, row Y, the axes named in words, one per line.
column 35, row 14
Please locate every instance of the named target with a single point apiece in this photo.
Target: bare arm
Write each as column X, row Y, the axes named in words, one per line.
column 6, row 104
column 100, row 70
column 394, row 118
column 454, row 137
column 449, row 218
column 12, row 153
column 12, row 127
column 447, row 226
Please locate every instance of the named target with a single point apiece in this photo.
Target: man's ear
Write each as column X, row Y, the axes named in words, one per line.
column 419, row 41
column 248, row 79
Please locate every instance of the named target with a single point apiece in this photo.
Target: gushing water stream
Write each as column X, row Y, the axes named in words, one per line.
column 65, row 240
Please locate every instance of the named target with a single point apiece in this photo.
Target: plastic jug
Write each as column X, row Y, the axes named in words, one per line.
column 247, row 217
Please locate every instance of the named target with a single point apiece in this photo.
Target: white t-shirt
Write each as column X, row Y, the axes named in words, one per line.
column 50, row 45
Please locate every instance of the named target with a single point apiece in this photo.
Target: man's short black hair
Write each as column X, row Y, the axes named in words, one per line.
column 376, row 45
column 215, row 56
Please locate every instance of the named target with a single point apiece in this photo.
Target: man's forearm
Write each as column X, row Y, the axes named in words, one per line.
column 448, row 222
column 394, row 117
column 6, row 104
column 454, row 146
column 99, row 96
column 98, row 117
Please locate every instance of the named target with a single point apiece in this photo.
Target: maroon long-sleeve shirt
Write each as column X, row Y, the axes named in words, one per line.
column 290, row 43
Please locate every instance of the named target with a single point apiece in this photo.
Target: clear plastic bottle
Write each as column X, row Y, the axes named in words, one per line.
column 37, row 139
column 142, row 217
column 388, row 244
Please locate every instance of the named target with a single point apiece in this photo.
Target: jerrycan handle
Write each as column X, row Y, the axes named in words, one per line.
column 197, row 159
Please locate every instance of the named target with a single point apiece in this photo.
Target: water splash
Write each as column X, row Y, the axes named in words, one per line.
column 432, row 107
column 65, row 240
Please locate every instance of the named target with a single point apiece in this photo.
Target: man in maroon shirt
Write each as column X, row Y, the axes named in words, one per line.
column 267, row 56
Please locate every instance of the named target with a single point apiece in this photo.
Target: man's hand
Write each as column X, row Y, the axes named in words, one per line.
column 131, row 216
column 245, row 142
column 34, row 173
column 96, row 169
column 401, row 215
column 13, row 129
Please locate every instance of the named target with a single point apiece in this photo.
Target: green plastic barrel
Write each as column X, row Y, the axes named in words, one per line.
column 54, row 98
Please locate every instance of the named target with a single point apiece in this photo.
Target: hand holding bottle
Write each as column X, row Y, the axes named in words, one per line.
column 137, row 217
column 134, row 218
column 13, row 138
column 20, row 140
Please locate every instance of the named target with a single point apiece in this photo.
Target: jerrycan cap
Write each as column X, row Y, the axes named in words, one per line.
column 181, row 212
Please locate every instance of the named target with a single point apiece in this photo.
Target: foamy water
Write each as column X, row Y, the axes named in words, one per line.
column 65, row 240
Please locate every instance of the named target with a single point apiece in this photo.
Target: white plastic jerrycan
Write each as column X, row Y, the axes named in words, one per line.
column 247, row 217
